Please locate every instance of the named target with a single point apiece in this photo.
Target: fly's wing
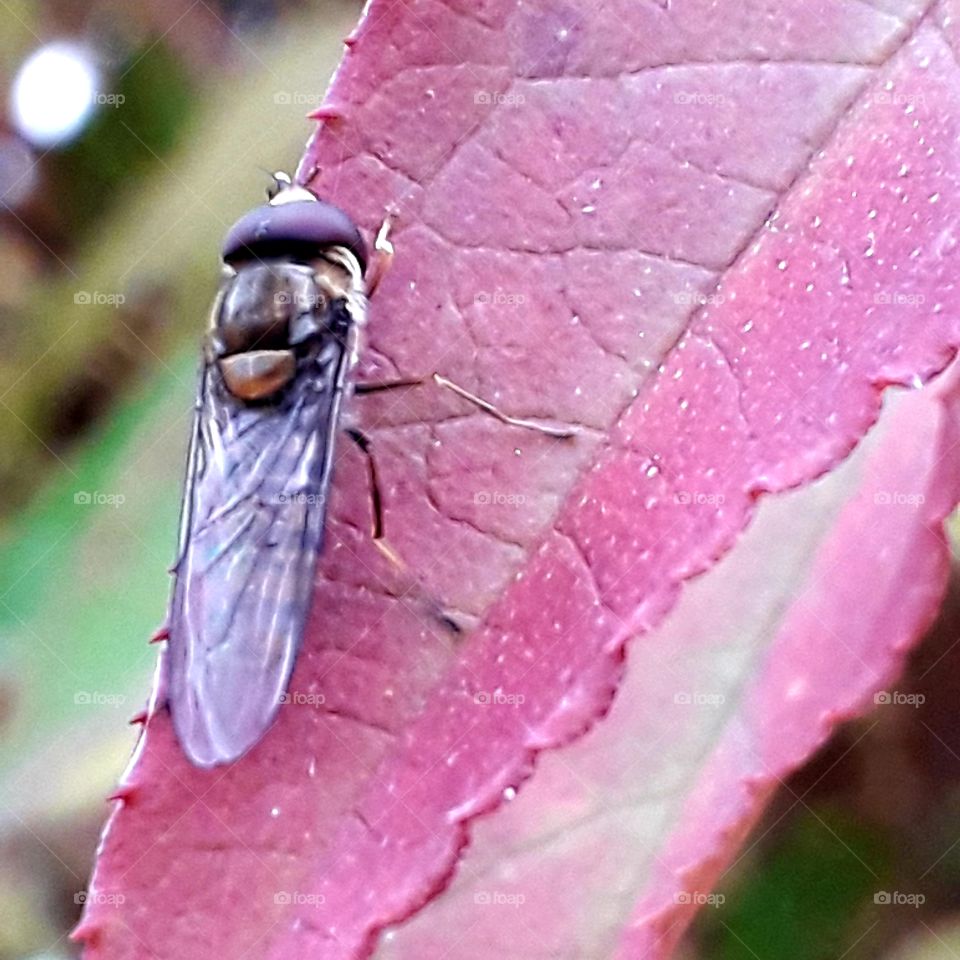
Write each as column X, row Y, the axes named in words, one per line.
column 252, row 526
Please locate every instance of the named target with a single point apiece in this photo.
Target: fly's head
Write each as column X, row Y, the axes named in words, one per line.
column 294, row 273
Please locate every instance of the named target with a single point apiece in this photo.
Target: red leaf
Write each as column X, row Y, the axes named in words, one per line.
column 571, row 184
column 621, row 836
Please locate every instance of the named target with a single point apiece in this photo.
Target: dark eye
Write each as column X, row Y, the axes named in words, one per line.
column 299, row 230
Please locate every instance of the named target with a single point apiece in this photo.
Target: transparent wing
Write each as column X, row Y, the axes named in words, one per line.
column 252, row 526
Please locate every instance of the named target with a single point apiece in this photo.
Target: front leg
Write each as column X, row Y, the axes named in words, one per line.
column 382, row 255
column 560, row 433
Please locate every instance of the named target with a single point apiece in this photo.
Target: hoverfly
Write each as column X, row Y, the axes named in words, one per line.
column 283, row 335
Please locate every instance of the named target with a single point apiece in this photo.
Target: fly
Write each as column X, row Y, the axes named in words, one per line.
column 283, row 336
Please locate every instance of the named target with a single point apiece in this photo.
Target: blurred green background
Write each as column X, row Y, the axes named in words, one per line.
column 108, row 259
column 169, row 117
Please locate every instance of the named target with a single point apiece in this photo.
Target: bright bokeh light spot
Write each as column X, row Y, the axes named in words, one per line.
column 54, row 93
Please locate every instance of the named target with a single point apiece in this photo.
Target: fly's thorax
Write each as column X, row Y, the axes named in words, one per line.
column 261, row 305
column 268, row 312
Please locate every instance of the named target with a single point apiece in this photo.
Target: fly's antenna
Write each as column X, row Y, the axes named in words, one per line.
column 284, row 190
column 281, row 182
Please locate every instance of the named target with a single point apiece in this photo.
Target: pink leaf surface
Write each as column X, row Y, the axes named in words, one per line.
column 709, row 237
column 620, row 837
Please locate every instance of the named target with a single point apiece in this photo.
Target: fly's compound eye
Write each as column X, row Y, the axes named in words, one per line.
column 258, row 374
column 300, row 230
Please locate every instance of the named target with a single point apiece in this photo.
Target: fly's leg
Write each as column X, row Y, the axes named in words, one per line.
column 381, row 386
column 376, row 496
column 382, row 255
column 560, row 433
column 363, row 442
